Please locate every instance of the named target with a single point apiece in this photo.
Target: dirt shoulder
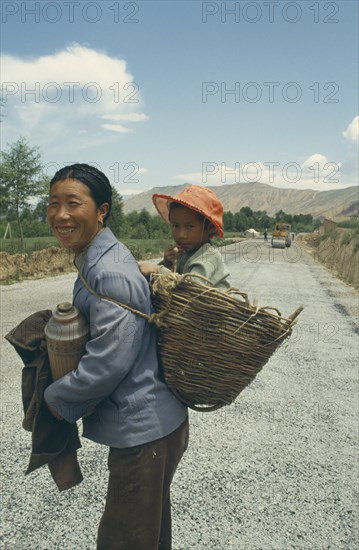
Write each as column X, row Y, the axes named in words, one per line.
column 39, row 264
column 336, row 252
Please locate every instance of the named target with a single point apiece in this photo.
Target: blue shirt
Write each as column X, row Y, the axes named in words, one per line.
column 119, row 373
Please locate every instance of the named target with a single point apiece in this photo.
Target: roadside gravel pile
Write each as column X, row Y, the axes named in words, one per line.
column 41, row 263
column 275, row 470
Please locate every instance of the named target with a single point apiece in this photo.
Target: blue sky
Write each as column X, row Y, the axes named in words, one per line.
column 163, row 93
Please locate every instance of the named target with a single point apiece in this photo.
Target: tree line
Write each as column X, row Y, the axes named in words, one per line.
column 259, row 220
column 24, row 195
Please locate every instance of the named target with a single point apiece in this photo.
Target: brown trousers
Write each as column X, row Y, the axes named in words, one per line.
column 137, row 512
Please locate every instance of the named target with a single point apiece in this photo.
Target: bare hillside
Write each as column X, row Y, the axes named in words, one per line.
column 260, row 196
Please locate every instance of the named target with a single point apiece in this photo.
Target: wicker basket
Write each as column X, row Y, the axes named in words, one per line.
column 211, row 343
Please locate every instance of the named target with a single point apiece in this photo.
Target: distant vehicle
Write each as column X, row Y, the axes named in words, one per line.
column 281, row 235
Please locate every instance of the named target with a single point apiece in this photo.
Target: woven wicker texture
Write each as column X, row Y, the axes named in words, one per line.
column 211, row 343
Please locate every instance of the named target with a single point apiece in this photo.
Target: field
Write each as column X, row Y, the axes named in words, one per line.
column 31, row 244
column 42, row 256
column 140, row 248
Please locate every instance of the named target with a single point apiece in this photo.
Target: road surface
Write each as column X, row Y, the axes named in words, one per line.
column 275, row 470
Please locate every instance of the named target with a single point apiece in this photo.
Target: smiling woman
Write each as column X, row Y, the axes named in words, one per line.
column 73, row 215
column 118, row 378
column 79, row 205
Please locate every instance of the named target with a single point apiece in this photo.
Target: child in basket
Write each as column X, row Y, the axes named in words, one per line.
column 195, row 216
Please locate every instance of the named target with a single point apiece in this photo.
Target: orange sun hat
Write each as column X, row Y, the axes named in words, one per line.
column 198, row 198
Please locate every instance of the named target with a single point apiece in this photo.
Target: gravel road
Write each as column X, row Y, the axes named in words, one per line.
column 275, row 470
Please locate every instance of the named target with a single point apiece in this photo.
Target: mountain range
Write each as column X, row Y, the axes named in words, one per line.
column 337, row 203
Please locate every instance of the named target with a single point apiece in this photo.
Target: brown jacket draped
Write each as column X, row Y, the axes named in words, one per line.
column 54, row 442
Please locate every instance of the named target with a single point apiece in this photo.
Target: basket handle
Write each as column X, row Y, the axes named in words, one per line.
column 295, row 314
column 291, row 318
column 192, row 274
column 268, row 308
column 236, row 291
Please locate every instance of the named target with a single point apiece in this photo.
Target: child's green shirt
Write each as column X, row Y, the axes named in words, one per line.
column 206, row 261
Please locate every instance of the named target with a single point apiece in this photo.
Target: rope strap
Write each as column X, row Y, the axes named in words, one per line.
column 153, row 318
column 172, row 279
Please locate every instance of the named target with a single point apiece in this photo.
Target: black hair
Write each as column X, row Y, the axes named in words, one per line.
column 98, row 184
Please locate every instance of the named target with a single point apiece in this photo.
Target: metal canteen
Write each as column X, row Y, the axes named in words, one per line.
column 66, row 335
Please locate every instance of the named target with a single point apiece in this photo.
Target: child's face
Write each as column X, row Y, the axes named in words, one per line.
column 188, row 229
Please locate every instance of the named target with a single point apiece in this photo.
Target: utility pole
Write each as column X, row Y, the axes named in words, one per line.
column 7, row 230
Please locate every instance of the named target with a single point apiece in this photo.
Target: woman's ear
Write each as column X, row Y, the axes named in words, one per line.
column 103, row 209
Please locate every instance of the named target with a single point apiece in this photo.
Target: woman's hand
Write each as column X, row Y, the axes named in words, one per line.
column 147, row 269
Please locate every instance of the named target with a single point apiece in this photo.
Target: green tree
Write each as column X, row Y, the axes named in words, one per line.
column 21, row 179
column 262, row 220
column 247, row 211
column 159, row 228
column 240, row 221
column 33, row 225
column 144, row 219
column 228, row 223
column 281, row 216
column 117, row 219
column 40, row 210
column 139, row 232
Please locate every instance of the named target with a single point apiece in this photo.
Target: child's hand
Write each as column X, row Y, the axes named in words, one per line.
column 147, row 269
column 170, row 256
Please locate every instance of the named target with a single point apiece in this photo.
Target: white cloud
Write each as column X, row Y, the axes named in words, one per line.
column 322, row 173
column 315, row 172
column 316, row 158
column 74, row 87
column 351, row 133
column 129, row 117
column 116, row 128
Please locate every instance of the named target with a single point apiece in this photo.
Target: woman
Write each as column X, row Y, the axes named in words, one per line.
column 136, row 415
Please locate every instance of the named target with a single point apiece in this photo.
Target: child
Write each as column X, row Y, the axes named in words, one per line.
column 195, row 216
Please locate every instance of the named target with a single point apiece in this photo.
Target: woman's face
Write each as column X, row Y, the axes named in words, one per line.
column 73, row 214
